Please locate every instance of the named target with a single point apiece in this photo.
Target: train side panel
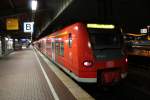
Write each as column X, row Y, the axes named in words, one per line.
column 68, row 58
column 85, row 54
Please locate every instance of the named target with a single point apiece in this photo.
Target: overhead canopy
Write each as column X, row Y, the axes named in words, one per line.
column 54, row 14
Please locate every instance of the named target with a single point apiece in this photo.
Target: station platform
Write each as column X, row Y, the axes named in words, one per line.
column 28, row 75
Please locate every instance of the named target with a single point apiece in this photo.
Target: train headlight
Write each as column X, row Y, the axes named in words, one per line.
column 88, row 63
column 126, row 60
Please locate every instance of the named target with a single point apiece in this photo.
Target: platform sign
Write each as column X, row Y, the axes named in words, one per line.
column 12, row 24
column 28, row 27
column 143, row 30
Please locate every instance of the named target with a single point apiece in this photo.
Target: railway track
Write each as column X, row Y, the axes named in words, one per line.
column 139, row 62
column 140, row 66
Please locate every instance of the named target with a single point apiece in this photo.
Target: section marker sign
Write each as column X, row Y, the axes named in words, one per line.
column 28, row 27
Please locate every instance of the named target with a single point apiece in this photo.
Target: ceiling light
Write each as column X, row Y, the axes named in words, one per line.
column 34, row 5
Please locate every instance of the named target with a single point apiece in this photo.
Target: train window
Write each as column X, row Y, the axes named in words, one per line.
column 70, row 40
column 62, row 48
column 57, row 47
column 104, row 38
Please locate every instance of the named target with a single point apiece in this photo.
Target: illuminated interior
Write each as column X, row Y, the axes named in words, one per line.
column 102, row 26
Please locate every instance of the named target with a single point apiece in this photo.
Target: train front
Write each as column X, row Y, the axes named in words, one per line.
column 108, row 50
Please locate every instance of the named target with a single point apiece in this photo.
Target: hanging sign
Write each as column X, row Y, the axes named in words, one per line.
column 12, row 24
column 28, row 27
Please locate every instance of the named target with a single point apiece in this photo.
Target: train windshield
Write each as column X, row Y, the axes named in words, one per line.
column 104, row 38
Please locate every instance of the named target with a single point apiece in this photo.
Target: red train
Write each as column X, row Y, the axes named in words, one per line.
column 87, row 52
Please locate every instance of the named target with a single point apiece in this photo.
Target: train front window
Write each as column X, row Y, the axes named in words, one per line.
column 104, row 38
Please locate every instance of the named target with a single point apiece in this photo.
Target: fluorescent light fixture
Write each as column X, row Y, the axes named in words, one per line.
column 34, row 5
column 102, row 26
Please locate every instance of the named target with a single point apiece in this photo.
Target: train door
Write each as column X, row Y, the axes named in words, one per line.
column 0, row 48
column 70, row 50
column 44, row 46
column 53, row 51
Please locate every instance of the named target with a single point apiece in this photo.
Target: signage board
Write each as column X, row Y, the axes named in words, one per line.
column 144, row 30
column 12, row 24
column 28, row 27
